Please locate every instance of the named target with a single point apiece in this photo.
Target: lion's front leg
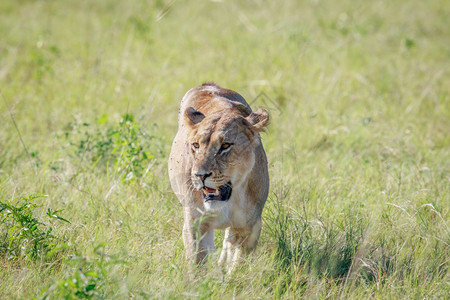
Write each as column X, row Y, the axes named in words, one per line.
column 198, row 237
column 237, row 244
column 233, row 250
column 251, row 240
column 227, row 250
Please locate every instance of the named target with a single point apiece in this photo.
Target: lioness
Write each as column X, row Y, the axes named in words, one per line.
column 218, row 170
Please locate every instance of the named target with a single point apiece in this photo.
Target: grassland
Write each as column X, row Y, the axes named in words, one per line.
column 358, row 147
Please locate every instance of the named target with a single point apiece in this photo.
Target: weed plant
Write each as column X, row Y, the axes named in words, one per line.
column 25, row 236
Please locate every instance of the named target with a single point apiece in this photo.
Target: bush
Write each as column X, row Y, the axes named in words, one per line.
column 88, row 278
column 22, row 234
column 126, row 146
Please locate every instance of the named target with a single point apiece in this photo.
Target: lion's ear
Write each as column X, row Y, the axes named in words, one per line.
column 258, row 119
column 193, row 116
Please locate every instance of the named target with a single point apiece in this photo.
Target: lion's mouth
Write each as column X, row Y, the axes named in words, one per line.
column 223, row 193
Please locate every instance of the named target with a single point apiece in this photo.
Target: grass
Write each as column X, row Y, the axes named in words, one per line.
column 358, row 147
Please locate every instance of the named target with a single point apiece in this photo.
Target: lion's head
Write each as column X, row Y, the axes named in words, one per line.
column 221, row 140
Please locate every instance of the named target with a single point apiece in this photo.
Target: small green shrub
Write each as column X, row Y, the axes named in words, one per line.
column 126, row 146
column 22, row 234
column 88, row 278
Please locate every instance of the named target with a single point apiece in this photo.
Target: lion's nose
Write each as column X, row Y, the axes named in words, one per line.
column 203, row 175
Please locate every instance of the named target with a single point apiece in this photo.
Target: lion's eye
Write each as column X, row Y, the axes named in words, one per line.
column 225, row 146
column 195, row 146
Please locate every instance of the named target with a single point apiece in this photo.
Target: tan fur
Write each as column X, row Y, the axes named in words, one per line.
column 210, row 115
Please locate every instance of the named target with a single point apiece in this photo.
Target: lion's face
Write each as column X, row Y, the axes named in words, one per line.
column 222, row 150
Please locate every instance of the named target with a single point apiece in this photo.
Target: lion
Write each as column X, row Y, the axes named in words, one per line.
column 218, row 170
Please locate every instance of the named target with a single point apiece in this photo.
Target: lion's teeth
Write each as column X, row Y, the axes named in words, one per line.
column 216, row 193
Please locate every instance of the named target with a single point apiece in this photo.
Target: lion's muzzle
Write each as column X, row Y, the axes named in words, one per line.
column 223, row 193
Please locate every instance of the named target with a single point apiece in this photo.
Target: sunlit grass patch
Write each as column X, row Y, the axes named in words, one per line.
column 358, row 146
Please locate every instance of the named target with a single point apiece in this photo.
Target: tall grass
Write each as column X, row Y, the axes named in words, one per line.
column 358, row 146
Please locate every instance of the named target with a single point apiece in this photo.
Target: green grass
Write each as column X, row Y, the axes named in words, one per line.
column 358, row 146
